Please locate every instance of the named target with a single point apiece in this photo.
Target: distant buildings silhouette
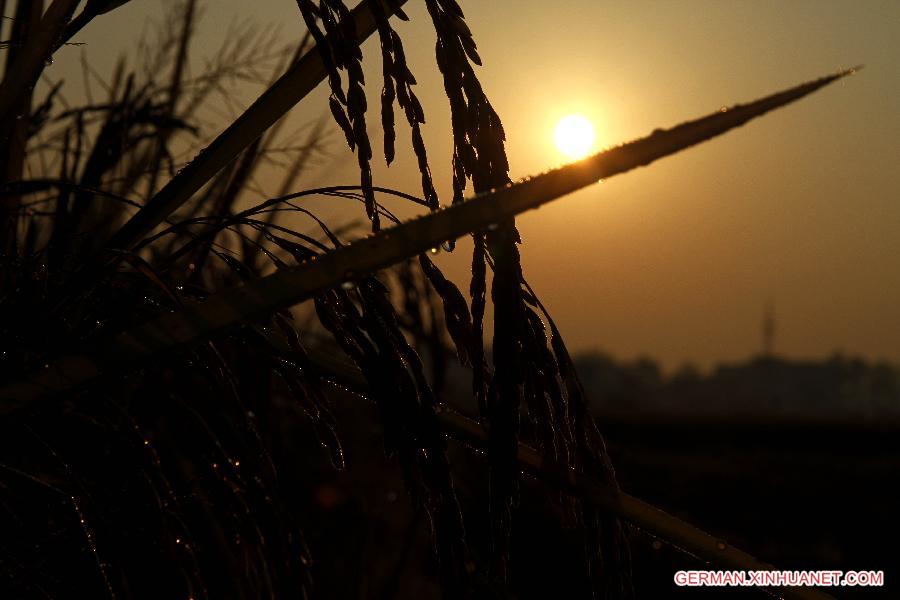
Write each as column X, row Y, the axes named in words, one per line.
column 839, row 385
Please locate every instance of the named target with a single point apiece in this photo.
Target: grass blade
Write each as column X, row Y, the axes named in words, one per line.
column 289, row 286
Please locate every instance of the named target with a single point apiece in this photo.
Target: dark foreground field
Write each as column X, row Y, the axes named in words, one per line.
column 799, row 493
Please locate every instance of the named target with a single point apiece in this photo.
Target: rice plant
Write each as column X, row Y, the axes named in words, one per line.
column 152, row 359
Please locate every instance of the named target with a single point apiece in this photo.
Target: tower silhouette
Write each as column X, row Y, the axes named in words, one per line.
column 768, row 329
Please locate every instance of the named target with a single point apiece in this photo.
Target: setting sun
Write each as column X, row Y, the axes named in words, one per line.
column 574, row 136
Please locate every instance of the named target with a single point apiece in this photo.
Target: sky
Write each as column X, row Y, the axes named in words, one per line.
column 676, row 261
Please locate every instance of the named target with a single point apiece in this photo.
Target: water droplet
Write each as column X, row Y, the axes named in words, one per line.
column 493, row 227
column 723, row 109
column 449, row 245
column 49, row 60
column 347, row 285
column 435, row 250
column 720, row 545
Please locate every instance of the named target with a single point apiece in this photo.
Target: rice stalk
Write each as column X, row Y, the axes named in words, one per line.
column 14, row 131
column 24, row 72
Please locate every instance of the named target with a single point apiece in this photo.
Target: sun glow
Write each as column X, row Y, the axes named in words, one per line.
column 574, row 136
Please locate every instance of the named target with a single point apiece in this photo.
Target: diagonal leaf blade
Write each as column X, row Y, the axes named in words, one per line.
column 289, row 286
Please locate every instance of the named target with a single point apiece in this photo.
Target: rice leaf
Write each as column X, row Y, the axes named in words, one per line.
column 287, row 287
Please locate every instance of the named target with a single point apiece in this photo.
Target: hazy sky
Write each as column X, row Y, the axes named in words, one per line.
column 675, row 261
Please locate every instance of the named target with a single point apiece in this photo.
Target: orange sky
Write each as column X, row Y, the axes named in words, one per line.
column 675, row 261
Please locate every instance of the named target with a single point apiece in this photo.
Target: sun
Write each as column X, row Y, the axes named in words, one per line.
column 574, row 136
